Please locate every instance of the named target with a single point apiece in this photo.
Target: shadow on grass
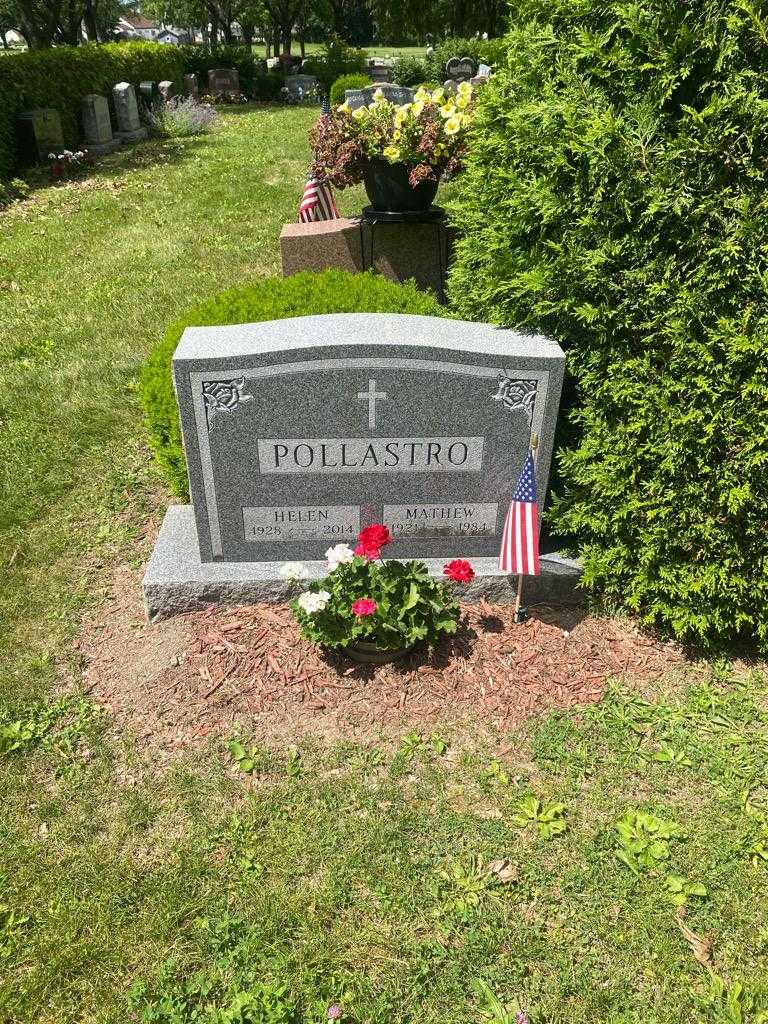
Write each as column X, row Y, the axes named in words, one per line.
column 133, row 157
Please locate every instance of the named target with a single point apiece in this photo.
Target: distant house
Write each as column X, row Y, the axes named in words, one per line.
column 168, row 36
column 136, row 26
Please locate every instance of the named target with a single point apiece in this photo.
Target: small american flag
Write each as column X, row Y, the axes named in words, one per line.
column 520, row 540
column 317, row 203
column 325, row 107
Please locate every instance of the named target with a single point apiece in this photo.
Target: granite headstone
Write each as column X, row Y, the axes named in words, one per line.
column 149, row 96
column 167, row 91
column 299, row 432
column 190, row 86
column 301, row 86
column 460, row 69
column 223, row 81
column 38, row 134
column 129, row 126
column 97, row 126
column 397, row 94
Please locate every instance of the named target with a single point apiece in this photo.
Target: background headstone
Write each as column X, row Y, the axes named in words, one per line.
column 97, row 127
column 190, row 86
column 379, row 70
column 301, row 86
column 223, row 80
column 397, row 94
column 148, row 97
column 129, row 126
column 461, row 69
column 38, row 134
column 167, row 91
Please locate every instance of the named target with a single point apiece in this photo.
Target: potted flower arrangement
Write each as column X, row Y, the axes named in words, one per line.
column 399, row 153
column 375, row 610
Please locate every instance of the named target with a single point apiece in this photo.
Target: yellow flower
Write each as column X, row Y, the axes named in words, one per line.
column 452, row 125
column 397, row 135
column 417, row 108
column 359, row 112
column 421, row 95
column 438, row 95
column 378, row 95
column 400, row 118
column 465, row 89
column 462, row 102
column 448, row 110
column 344, row 107
column 392, row 153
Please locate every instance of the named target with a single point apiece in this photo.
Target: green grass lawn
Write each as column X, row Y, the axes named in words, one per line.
column 131, row 889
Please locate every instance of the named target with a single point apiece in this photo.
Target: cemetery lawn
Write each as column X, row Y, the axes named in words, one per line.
column 349, row 869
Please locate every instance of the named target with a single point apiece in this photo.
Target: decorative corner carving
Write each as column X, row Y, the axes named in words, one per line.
column 517, row 394
column 223, row 396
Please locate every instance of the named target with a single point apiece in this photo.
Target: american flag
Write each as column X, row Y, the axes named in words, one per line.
column 317, row 203
column 520, row 541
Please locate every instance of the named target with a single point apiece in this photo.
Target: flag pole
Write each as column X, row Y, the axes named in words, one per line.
column 519, row 596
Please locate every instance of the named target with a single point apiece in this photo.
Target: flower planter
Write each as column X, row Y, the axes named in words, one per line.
column 389, row 189
column 372, row 654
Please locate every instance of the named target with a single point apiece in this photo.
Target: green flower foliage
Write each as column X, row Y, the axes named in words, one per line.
column 616, row 199
column 62, row 76
column 344, row 82
column 275, row 298
column 411, row 607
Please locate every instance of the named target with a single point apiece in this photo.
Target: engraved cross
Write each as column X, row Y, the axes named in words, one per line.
column 370, row 396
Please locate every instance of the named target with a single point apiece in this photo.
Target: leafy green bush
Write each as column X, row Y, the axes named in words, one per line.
column 275, row 298
column 344, row 82
column 615, row 199
column 409, row 70
column 333, row 61
column 482, row 51
column 267, row 86
column 62, row 76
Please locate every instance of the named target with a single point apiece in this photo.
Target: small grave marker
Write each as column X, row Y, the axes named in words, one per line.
column 223, row 81
column 97, row 126
column 38, row 134
column 129, row 126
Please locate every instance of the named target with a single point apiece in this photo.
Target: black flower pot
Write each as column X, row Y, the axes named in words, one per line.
column 390, row 191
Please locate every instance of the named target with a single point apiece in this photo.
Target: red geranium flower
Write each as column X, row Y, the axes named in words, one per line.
column 365, row 606
column 366, row 551
column 459, row 571
column 375, row 536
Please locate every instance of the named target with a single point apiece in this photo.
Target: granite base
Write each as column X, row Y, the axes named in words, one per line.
column 102, row 148
column 398, row 251
column 135, row 136
column 177, row 581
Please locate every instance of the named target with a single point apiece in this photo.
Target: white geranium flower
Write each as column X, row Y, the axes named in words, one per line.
column 311, row 603
column 339, row 555
column 294, row 571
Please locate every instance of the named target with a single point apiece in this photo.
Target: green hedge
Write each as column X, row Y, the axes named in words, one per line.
column 616, row 199
column 344, row 82
column 62, row 76
column 276, row 298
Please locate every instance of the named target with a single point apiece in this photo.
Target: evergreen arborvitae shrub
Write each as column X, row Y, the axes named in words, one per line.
column 344, row 82
column 616, row 199
column 275, row 298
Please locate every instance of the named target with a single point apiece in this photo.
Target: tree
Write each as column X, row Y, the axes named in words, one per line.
column 285, row 14
column 8, row 20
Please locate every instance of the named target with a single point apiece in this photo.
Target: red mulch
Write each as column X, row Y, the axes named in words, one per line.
column 251, row 658
column 179, row 682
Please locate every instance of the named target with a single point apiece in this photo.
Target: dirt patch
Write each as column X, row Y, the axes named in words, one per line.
column 181, row 682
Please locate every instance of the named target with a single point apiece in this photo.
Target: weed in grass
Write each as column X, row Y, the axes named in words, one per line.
column 549, row 818
column 643, row 841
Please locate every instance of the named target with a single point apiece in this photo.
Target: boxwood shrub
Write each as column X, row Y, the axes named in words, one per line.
column 62, row 76
column 616, row 199
column 276, row 298
column 344, row 82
